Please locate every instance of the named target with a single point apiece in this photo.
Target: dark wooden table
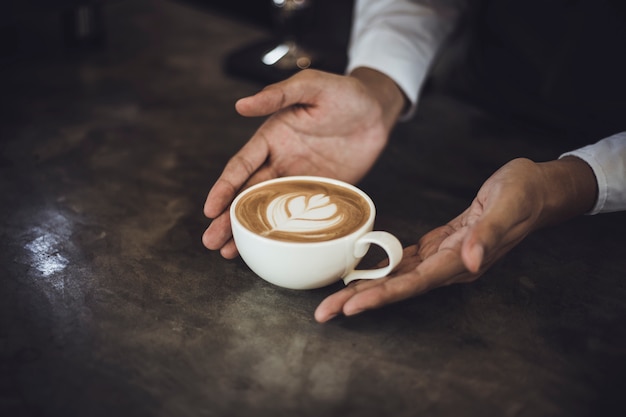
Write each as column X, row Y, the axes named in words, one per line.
column 110, row 305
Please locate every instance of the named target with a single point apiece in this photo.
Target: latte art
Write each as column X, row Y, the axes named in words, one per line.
column 296, row 213
column 302, row 211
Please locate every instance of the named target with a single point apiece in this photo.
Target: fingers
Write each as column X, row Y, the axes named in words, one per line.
column 218, row 232
column 333, row 305
column 229, row 250
column 338, row 303
column 440, row 269
column 243, row 169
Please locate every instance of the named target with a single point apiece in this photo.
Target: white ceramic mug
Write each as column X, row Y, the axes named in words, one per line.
column 322, row 261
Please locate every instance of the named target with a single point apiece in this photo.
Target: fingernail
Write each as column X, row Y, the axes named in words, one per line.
column 332, row 316
column 323, row 319
column 353, row 312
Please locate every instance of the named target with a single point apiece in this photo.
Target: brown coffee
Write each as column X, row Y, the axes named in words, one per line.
column 302, row 211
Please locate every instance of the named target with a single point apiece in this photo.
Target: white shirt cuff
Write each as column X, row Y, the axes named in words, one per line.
column 400, row 39
column 607, row 159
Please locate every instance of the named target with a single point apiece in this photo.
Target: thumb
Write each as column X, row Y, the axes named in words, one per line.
column 472, row 254
column 482, row 237
column 495, row 233
column 298, row 89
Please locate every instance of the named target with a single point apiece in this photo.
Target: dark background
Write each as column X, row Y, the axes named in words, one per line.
column 36, row 27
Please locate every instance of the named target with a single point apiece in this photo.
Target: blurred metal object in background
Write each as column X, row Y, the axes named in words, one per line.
column 292, row 23
column 83, row 26
column 304, row 37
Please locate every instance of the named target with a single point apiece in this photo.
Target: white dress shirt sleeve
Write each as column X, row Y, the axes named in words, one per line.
column 607, row 158
column 400, row 38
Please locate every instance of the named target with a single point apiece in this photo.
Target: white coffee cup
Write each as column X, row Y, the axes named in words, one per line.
column 301, row 238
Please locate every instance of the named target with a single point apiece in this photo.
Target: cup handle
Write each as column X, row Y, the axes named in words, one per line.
column 385, row 240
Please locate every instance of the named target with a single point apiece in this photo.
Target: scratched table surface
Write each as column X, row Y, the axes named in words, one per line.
column 110, row 305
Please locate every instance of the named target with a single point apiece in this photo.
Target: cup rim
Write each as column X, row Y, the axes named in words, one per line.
column 361, row 230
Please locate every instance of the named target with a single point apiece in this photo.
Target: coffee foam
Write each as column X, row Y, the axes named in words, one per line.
column 302, row 211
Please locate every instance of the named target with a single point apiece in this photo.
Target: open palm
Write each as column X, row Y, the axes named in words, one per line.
column 506, row 209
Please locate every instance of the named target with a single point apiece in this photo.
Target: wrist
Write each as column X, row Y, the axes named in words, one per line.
column 570, row 189
column 385, row 92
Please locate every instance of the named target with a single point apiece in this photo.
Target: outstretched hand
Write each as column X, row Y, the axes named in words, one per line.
column 519, row 198
column 321, row 124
